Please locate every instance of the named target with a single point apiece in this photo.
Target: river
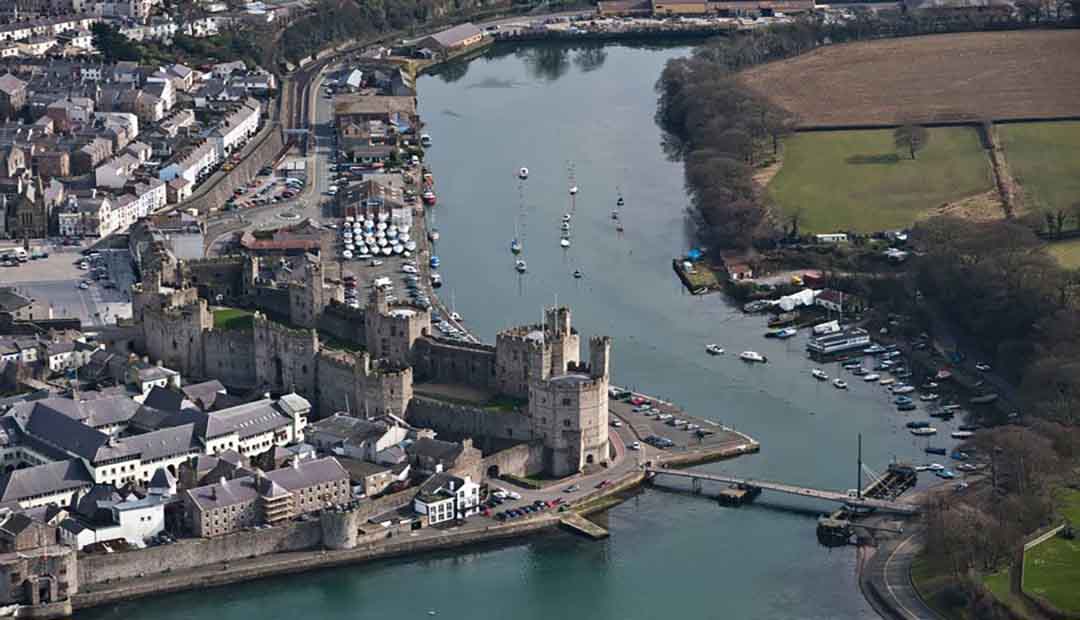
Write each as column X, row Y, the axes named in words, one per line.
column 548, row 107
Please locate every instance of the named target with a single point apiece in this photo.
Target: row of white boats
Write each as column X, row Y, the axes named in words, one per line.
column 364, row 238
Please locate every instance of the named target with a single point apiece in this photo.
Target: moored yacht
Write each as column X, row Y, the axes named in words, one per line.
column 752, row 356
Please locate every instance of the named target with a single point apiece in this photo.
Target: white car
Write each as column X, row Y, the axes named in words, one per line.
column 635, row 446
column 408, row 269
column 84, row 285
column 376, row 263
column 982, row 367
column 616, row 423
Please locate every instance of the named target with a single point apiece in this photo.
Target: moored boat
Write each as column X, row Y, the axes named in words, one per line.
column 429, row 198
column 713, row 349
column 515, row 246
column 839, row 384
column 752, row 356
column 520, row 265
column 819, row 374
column 523, row 173
column 924, row 431
column 962, row 434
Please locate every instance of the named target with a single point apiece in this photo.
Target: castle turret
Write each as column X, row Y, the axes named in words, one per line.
column 600, row 357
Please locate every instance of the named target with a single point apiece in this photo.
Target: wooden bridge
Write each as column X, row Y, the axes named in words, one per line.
column 791, row 489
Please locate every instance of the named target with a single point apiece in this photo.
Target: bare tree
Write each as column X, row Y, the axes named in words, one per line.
column 911, row 137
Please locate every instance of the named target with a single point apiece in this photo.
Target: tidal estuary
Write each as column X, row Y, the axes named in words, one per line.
column 670, row 555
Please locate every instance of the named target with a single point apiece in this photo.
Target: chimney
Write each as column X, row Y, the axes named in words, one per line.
column 453, row 485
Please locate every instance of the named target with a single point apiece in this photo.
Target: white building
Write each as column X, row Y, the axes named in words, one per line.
column 444, row 497
column 130, row 518
column 192, row 166
column 237, row 128
column 116, row 172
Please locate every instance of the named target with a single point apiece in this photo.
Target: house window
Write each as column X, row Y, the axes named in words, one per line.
column 566, row 423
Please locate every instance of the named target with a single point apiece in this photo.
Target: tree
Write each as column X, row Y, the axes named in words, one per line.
column 911, row 137
column 113, row 45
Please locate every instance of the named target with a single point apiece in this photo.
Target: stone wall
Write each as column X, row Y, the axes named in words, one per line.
column 463, row 421
column 227, row 276
column 524, row 459
column 192, row 553
column 273, row 301
column 230, row 357
column 438, row 361
column 344, row 323
column 269, row 144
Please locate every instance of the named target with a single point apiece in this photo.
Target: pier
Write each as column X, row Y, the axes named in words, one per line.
column 858, row 502
column 579, row 524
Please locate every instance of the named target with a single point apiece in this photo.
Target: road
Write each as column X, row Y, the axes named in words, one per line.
column 890, row 572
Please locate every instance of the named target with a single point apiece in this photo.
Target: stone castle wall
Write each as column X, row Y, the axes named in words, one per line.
column 524, row 459
column 344, row 323
column 228, row 276
column 285, row 357
column 230, row 357
column 466, row 421
column 437, row 361
column 271, row 300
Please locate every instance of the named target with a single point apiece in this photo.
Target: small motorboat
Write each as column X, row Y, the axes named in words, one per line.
column 566, row 217
column 902, row 389
column 887, row 381
column 620, row 202
column 454, row 316
column 933, row 450
column 962, row 434
column 573, row 190
column 839, row 384
column 434, row 262
column 901, row 400
column 614, row 215
column 515, row 247
column 930, row 397
column 871, row 377
column 565, row 226
column 564, row 242
column 782, row 334
column 924, row 431
column 851, row 364
column 909, row 406
column 714, row 349
column 425, row 139
column 752, row 356
column 347, row 255
column 577, row 274
column 819, row 374
column 918, row 424
column 520, row 265
column 523, row 173
column 943, row 375
column 436, row 280
column 429, row 198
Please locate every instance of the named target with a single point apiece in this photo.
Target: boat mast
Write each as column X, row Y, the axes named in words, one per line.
column 858, row 488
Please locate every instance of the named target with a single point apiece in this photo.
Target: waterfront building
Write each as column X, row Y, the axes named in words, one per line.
column 266, row 498
column 451, row 40
column 444, row 497
column 104, row 514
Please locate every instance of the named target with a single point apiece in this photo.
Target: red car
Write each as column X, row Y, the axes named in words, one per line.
column 637, row 401
column 603, row 483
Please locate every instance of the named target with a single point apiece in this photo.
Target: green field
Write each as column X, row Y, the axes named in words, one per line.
column 232, row 318
column 857, row 180
column 1052, row 569
column 1045, row 160
column 1066, row 252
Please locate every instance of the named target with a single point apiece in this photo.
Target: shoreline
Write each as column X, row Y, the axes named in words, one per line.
column 273, row 564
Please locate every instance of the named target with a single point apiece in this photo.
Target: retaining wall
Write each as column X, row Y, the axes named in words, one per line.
column 524, row 459
column 213, row 197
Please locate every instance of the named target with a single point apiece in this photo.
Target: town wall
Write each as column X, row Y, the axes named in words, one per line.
column 196, row 552
column 230, row 357
column 436, row 361
column 269, row 143
column 464, row 421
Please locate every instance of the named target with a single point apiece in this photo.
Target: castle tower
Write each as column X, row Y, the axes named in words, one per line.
column 306, row 299
column 562, row 341
column 600, row 357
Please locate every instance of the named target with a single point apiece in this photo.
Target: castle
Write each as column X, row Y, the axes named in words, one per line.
column 382, row 359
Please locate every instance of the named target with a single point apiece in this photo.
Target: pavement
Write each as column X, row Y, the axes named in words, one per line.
column 55, row 280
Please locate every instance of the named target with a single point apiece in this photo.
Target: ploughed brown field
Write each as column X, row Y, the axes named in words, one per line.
column 985, row 75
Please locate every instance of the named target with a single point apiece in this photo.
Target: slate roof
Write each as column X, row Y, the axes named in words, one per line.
column 246, row 420
column 203, row 394
column 163, row 399
column 287, row 479
column 16, row 523
column 442, row 451
column 43, row 480
column 438, row 487
column 343, row 428
column 10, row 301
